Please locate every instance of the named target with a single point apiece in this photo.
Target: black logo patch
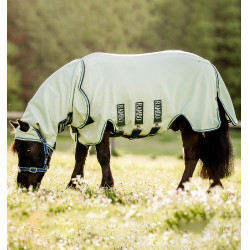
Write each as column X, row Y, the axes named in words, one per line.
column 157, row 111
column 139, row 113
column 120, row 115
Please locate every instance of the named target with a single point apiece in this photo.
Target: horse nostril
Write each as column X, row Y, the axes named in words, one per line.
column 25, row 180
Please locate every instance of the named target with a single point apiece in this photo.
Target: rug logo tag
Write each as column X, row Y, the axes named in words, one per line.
column 157, row 111
column 120, row 115
column 139, row 113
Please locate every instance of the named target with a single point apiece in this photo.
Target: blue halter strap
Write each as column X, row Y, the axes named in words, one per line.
column 47, row 152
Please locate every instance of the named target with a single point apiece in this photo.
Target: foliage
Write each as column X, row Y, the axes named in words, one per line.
column 228, row 45
column 210, row 29
column 50, row 35
column 13, row 87
column 143, row 211
column 60, row 31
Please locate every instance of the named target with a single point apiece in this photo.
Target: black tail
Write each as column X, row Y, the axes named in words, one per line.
column 216, row 151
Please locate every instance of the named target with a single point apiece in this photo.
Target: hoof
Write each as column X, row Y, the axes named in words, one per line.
column 71, row 185
column 180, row 188
column 213, row 186
column 76, row 183
column 107, row 182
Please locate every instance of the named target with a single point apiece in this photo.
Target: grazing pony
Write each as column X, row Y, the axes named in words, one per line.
column 133, row 96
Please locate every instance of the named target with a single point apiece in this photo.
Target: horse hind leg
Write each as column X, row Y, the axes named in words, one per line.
column 217, row 153
column 207, row 172
column 191, row 150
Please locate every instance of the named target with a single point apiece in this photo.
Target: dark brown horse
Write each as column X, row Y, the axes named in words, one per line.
column 104, row 95
column 213, row 148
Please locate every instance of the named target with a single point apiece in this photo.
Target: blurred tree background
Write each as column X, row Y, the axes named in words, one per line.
column 43, row 36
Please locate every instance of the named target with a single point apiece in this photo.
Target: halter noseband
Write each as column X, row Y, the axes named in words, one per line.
column 47, row 151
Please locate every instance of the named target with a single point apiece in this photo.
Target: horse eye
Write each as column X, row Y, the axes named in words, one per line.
column 28, row 150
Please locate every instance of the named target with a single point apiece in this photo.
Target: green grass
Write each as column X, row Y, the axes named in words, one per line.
column 143, row 211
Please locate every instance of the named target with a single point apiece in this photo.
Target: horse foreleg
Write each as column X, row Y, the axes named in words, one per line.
column 191, row 150
column 103, row 156
column 81, row 153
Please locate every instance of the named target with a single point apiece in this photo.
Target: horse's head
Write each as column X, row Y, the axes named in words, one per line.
column 33, row 157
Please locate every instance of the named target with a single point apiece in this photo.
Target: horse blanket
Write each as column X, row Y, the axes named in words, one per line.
column 139, row 94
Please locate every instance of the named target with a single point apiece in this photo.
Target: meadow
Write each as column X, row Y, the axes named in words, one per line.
column 142, row 211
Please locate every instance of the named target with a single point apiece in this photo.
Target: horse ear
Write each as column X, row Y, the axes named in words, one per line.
column 14, row 124
column 24, row 126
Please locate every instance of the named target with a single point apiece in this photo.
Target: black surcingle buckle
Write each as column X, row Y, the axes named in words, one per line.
column 135, row 133
column 154, row 130
column 118, row 133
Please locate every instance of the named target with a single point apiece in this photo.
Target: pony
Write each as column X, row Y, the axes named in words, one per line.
column 78, row 94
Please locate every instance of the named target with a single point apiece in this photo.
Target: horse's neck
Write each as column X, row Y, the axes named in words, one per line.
column 54, row 100
column 50, row 105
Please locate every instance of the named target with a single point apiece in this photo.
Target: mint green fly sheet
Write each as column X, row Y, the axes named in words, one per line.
column 139, row 94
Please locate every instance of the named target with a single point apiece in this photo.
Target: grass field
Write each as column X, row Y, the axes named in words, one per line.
column 143, row 211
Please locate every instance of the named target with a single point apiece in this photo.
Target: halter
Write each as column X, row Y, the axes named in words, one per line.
column 47, row 151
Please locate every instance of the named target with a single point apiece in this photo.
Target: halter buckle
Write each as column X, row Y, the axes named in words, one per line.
column 33, row 170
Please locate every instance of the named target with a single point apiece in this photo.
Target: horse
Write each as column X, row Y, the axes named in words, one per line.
column 134, row 96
